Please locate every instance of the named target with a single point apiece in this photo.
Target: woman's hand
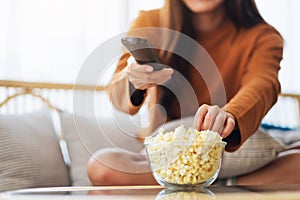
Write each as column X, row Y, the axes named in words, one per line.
column 215, row 119
column 144, row 76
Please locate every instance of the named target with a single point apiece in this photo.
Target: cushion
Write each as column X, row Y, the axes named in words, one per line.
column 29, row 152
column 85, row 136
column 288, row 138
column 260, row 149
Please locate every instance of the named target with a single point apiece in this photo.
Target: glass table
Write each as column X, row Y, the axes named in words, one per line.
column 282, row 192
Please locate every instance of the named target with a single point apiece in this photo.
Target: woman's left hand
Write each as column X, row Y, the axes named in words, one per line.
column 215, row 119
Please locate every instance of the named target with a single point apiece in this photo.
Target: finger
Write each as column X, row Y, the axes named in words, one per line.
column 210, row 118
column 138, row 84
column 135, row 80
column 160, row 77
column 143, row 80
column 219, row 122
column 136, row 72
column 228, row 128
column 140, row 68
column 199, row 116
column 143, row 86
column 139, row 80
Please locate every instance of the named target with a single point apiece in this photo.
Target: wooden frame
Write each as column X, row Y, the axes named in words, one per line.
column 29, row 88
column 36, row 89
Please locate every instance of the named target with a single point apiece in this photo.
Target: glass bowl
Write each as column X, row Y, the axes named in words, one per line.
column 185, row 158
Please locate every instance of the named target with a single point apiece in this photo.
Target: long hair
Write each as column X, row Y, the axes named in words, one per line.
column 243, row 13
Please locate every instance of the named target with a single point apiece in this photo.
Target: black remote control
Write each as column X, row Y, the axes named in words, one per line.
column 142, row 51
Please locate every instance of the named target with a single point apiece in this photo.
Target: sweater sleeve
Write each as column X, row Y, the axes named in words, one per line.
column 259, row 87
column 119, row 87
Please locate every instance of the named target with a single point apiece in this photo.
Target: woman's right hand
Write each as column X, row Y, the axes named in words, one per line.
column 144, row 76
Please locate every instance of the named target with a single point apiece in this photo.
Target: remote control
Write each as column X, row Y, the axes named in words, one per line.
column 142, row 51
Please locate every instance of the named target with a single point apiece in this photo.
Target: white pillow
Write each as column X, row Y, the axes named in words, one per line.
column 258, row 150
column 85, row 136
column 29, row 153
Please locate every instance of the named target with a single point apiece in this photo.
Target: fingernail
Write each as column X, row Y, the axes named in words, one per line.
column 222, row 135
column 149, row 69
column 171, row 71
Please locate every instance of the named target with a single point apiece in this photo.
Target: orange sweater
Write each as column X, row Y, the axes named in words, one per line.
column 248, row 61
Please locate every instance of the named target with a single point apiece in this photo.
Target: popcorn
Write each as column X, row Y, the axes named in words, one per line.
column 184, row 156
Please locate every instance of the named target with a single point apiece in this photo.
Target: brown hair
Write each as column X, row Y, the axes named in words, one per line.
column 243, row 13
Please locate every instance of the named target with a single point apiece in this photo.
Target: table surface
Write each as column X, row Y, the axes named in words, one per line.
column 282, row 192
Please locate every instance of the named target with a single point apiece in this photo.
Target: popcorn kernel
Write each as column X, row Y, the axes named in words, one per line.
column 185, row 156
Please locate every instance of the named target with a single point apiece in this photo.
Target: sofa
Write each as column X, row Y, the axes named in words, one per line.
column 50, row 144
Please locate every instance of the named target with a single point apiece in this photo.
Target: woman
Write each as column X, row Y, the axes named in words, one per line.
column 247, row 52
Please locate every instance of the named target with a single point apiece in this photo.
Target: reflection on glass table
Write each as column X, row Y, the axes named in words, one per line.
column 270, row 192
column 190, row 194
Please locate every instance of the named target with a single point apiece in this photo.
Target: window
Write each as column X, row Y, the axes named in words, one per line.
column 48, row 40
column 284, row 15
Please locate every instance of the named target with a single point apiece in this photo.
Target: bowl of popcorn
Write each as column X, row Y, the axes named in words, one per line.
column 185, row 157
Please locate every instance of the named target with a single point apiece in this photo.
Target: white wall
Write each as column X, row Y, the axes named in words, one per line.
column 284, row 15
column 48, row 40
column 136, row 5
